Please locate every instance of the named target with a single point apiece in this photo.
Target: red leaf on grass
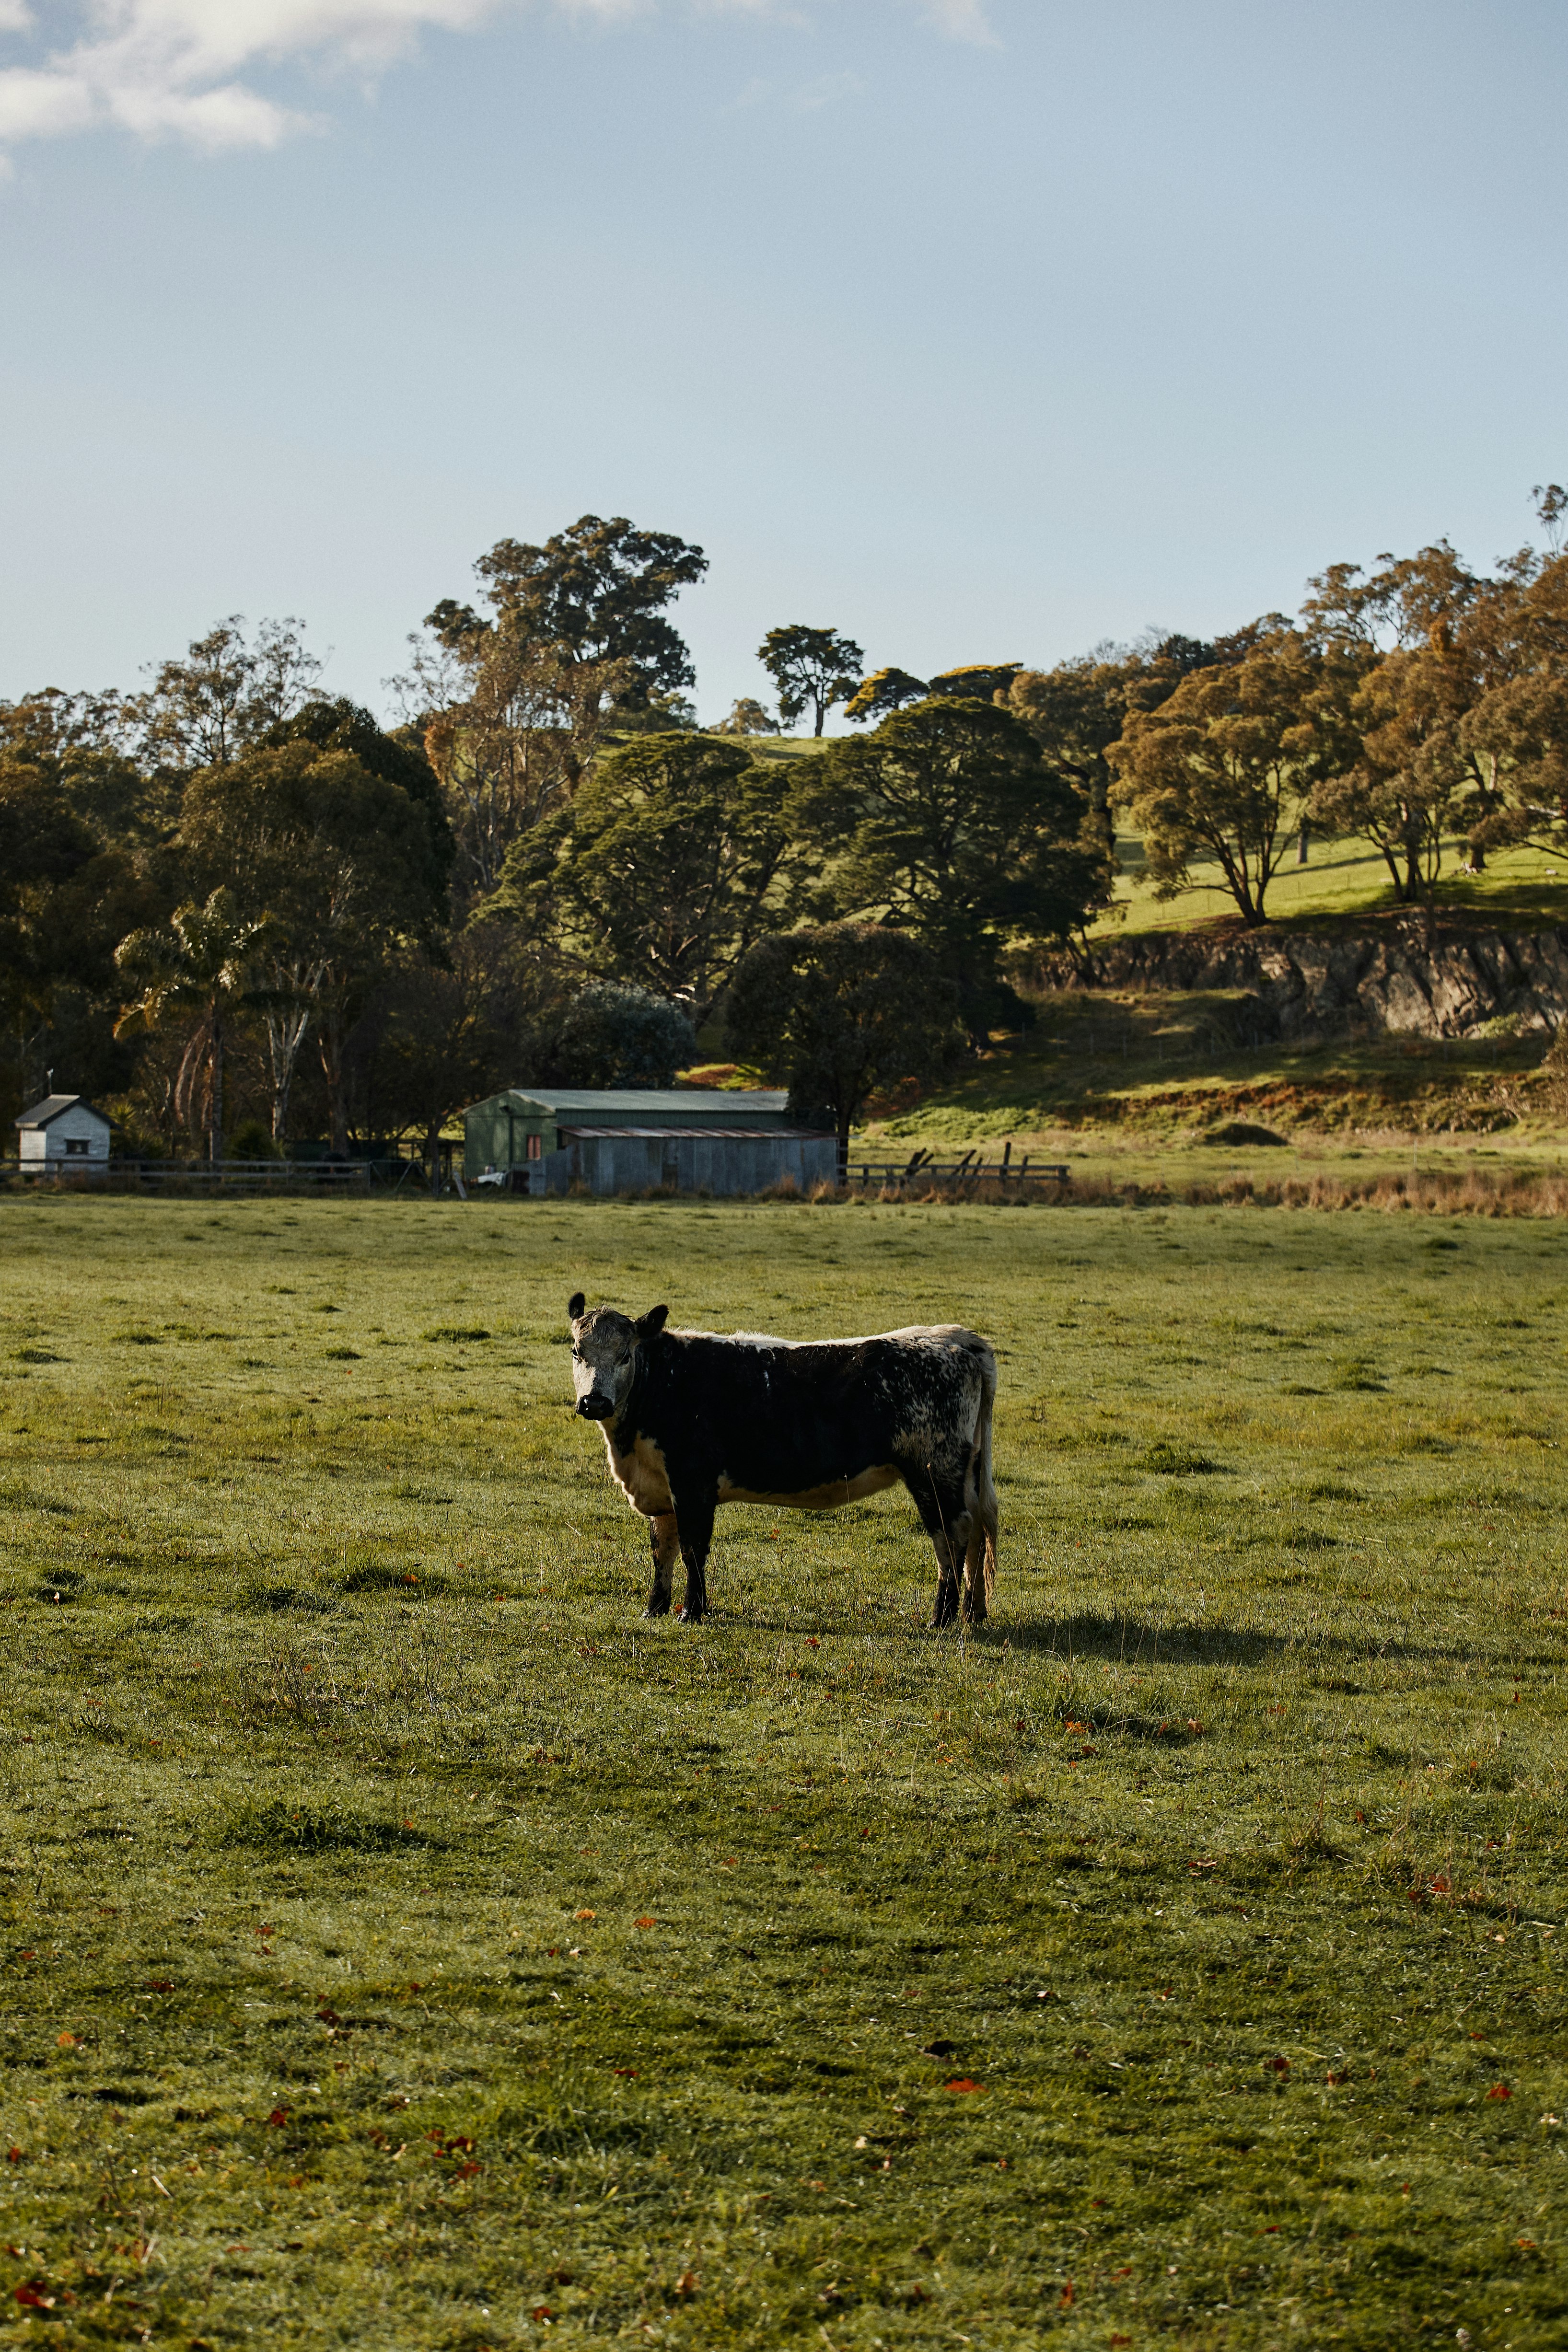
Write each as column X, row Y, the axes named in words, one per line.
column 1067, row 2297
column 1499, row 2091
column 278, row 2118
column 13, row 2156
column 629, row 2072
column 963, row 2082
column 1280, row 2065
column 35, row 2296
column 644, row 1922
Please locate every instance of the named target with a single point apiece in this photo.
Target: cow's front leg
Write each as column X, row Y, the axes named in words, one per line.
column 694, row 1510
column 665, row 1540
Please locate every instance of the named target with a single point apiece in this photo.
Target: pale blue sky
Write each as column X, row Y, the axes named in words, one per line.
column 981, row 332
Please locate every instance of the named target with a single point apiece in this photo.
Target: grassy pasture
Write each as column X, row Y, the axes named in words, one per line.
column 404, row 1946
column 1343, row 882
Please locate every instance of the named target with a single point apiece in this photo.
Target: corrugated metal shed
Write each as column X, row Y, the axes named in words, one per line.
column 633, row 1140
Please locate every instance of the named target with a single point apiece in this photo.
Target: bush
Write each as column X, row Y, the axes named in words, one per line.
column 618, row 1035
column 251, row 1141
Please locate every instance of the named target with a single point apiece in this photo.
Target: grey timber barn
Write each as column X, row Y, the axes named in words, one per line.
column 545, row 1140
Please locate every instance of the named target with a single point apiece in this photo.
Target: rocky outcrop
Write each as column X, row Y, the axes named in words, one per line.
column 1302, row 983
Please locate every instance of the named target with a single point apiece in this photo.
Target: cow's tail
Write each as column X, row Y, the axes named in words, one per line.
column 979, row 1557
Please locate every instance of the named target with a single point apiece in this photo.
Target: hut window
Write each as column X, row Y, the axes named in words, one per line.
column 536, row 1147
column 75, row 1147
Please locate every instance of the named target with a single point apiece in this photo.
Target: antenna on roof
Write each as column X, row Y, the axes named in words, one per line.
column 50, row 1087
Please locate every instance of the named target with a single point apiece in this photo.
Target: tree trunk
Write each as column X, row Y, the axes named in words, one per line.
column 214, row 1093
column 285, row 1037
column 332, row 1071
column 432, row 1153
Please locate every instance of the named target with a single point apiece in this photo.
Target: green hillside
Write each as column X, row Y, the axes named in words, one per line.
column 1521, row 889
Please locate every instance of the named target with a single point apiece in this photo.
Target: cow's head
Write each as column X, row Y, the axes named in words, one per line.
column 604, row 1355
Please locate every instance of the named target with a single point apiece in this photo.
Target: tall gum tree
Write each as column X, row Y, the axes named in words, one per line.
column 837, row 1012
column 946, row 823
column 812, row 669
column 347, row 866
column 674, row 856
column 1224, row 767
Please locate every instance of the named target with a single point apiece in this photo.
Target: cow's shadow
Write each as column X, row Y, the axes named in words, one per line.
column 1134, row 1642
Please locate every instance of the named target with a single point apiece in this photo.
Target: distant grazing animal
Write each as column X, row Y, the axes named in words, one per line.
column 692, row 1419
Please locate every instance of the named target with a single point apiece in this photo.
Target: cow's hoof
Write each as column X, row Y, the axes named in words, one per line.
column 684, row 1616
column 657, row 1608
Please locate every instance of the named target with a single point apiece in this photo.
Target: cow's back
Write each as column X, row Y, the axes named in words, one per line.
column 775, row 1416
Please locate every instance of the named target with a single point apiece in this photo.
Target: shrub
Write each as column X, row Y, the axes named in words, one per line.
column 618, row 1035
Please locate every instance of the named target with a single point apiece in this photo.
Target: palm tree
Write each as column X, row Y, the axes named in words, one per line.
column 193, row 964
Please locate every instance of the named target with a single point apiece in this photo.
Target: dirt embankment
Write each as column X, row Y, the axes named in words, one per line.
column 1306, row 984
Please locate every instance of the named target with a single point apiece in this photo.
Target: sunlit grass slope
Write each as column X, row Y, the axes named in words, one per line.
column 1343, row 881
column 406, row 1946
column 1143, row 1077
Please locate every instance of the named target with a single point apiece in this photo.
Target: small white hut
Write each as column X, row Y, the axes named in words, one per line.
column 63, row 1136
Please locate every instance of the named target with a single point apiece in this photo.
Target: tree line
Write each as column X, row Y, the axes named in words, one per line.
column 239, row 910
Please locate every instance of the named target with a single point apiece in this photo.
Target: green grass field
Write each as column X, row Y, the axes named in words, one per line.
column 406, row 1946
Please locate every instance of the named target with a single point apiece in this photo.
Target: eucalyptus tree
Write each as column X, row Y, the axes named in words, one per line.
column 948, row 823
column 840, row 1012
column 675, row 854
column 813, row 668
column 195, row 970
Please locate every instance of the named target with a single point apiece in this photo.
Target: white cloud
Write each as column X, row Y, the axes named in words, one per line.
column 963, row 20
column 170, row 68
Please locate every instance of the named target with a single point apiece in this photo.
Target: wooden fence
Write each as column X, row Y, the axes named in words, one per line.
column 925, row 1169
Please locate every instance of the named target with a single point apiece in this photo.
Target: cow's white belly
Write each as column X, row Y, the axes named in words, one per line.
column 829, row 1498
column 641, row 1476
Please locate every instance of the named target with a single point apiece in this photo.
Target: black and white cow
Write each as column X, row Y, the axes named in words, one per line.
column 692, row 1419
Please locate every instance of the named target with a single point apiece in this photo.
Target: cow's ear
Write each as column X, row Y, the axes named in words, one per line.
column 653, row 1322
column 575, row 1304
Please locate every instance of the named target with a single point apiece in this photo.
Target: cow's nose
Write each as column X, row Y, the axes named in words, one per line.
column 595, row 1408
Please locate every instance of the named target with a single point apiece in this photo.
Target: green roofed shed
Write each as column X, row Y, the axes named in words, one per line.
column 635, row 1138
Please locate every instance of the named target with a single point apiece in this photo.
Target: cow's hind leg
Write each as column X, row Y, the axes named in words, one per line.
column 939, row 1499
column 665, row 1540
